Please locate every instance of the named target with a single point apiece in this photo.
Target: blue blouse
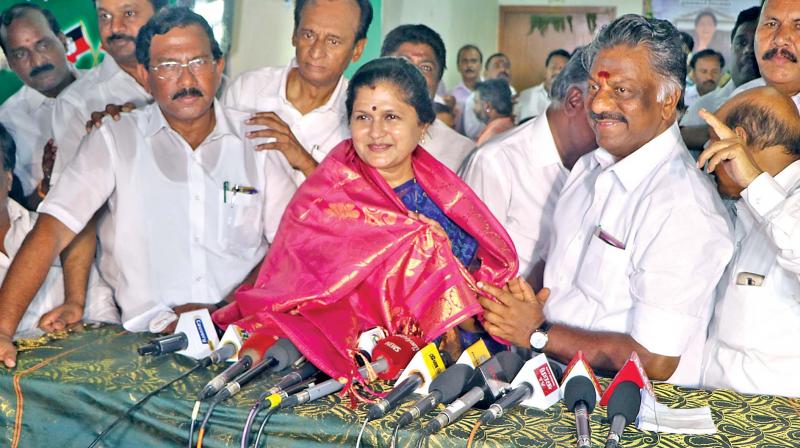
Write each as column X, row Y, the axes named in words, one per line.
column 415, row 199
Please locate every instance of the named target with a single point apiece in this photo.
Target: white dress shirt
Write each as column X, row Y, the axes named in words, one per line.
column 103, row 85
column 264, row 90
column 710, row 102
column 532, row 102
column 760, row 82
column 28, row 117
column 753, row 339
column 690, row 95
column 519, row 177
column 638, row 248
column 447, row 145
column 99, row 305
column 171, row 234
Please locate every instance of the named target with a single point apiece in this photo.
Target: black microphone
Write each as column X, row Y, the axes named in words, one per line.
column 165, row 344
column 443, row 389
column 252, row 351
column 281, row 390
column 278, row 357
column 401, row 391
column 623, row 407
column 580, row 398
column 512, row 398
column 488, row 381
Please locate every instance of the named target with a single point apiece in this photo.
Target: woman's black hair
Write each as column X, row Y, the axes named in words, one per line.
column 403, row 75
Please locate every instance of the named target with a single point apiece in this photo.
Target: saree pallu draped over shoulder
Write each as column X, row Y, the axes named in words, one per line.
column 348, row 257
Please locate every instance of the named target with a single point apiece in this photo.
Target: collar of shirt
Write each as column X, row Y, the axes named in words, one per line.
column 638, row 165
column 156, row 122
column 335, row 102
column 546, row 152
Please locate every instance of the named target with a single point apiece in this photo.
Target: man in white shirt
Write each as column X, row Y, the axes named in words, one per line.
column 424, row 48
column 191, row 205
column 520, row 175
column 497, row 66
column 36, row 51
column 755, row 154
column 641, row 236
column 533, row 102
column 112, row 82
column 706, row 70
column 301, row 106
column 470, row 61
column 63, row 298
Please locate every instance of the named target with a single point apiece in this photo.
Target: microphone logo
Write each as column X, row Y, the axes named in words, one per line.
column 201, row 330
column 546, row 379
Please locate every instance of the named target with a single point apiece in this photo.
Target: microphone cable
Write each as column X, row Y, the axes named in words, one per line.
column 395, row 435
column 473, row 433
column 265, row 398
column 205, row 362
column 264, row 422
column 361, row 433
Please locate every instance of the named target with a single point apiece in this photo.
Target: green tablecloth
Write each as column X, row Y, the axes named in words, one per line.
column 67, row 390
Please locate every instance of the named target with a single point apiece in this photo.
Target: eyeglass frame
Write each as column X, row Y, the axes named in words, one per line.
column 180, row 67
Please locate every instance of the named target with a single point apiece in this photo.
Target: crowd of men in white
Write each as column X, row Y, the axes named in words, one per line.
column 609, row 212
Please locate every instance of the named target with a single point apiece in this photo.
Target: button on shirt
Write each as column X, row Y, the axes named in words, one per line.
column 752, row 344
column 103, row 85
column 639, row 247
column 447, row 145
column 519, row 176
column 99, row 301
column 264, row 90
column 173, row 234
column 28, row 117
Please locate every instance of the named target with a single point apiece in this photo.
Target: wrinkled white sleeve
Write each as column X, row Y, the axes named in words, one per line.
column 69, row 128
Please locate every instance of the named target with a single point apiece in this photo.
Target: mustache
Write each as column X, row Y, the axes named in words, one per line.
column 191, row 91
column 41, row 69
column 772, row 52
column 115, row 36
column 608, row 116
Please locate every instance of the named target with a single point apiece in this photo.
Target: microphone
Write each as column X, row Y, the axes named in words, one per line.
column 281, row 355
column 423, row 368
column 255, row 346
column 165, row 344
column 580, row 397
column 444, row 389
column 623, row 407
column 487, row 383
column 391, row 354
column 280, row 391
column 514, row 397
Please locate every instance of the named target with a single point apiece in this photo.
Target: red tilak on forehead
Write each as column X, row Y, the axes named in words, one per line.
column 603, row 74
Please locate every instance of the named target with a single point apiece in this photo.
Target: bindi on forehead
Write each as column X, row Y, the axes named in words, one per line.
column 374, row 108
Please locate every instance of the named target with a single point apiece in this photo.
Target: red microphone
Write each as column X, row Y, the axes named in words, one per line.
column 397, row 352
column 252, row 352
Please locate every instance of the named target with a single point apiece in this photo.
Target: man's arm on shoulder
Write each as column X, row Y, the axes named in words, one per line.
column 26, row 275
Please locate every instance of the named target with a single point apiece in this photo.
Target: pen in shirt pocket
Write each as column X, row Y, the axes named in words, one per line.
column 608, row 238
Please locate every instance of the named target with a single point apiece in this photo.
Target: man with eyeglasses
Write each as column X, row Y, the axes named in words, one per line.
column 112, row 82
column 35, row 49
column 191, row 205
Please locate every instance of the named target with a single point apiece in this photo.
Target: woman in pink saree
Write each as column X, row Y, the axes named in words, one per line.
column 380, row 235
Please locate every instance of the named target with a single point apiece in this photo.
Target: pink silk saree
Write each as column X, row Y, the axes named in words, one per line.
column 348, row 257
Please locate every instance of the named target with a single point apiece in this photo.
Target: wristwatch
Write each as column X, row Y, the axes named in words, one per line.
column 539, row 337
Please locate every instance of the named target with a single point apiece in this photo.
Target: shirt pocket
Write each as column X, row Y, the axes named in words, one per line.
column 602, row 269
column 240, row 229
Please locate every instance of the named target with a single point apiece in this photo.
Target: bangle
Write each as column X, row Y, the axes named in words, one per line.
column 40, row 191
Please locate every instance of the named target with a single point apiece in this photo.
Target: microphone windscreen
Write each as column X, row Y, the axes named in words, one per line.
column 511, row 363
column 284, row 352
column 452, row 382
column 397, row 350
column 579, row 389
column 256, row 346
column 625, row 401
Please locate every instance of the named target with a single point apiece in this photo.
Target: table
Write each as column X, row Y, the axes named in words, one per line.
column 67, row 388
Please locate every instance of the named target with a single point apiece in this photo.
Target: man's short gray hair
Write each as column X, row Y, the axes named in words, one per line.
column 573, row 74
column 660, row 37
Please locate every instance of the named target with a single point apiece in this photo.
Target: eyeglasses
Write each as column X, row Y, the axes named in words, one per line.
column 173, row 69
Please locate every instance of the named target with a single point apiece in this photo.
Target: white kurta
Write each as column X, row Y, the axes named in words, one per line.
column 519, row 176
column 172, row 233
column 752, row 344
column 638, row 248
column 28, row 117
column 447, row 145
column 99, row 305
column 532, row 102
column 318, row 131
column 103, row 85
